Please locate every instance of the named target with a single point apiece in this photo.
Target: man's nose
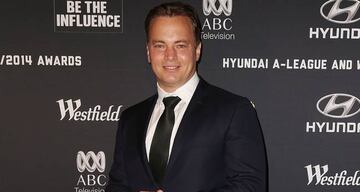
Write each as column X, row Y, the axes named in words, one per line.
column 170, row 53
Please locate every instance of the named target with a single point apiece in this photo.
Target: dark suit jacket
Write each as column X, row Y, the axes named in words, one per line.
column 218, row 147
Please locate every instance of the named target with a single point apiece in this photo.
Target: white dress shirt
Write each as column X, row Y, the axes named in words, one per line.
column 185, row 92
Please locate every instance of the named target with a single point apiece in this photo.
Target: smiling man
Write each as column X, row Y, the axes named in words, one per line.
column 190, row 136
column 172, row 51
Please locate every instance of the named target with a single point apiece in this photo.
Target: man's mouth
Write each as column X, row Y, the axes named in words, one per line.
column 171, row 67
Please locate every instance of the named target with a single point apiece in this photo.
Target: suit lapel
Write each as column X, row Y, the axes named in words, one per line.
column 143, row 125
column 189, row 123
column 186, row 130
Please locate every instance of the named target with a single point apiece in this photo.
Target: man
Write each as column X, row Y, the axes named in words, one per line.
column 190, row 136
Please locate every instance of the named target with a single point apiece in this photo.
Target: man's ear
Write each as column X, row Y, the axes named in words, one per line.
column 147, row 53
column 198, row 52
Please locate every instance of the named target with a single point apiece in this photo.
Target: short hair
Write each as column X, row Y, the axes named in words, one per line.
column 172, row 9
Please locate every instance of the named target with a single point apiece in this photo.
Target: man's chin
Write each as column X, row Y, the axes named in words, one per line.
column 170, row 85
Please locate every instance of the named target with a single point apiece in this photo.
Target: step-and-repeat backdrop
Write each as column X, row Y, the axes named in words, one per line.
column 68, row 68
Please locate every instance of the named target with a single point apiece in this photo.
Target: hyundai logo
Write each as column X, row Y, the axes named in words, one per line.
column 225, row 6
column 83, row 161
column 338, row 105
column 333, row 14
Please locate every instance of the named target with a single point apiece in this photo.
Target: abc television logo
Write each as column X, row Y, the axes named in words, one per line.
column 225, row 6
column 341, row 11
column 90, row 162
column 217, row 7
column 83, row 161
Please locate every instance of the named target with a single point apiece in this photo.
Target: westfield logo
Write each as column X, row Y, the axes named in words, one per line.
column 318, row 175
column 71, row 109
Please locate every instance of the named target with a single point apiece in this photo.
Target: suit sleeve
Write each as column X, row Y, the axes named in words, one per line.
column 245, row 156
column 117, row 176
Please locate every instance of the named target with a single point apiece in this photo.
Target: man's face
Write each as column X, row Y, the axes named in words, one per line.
column 172, row 51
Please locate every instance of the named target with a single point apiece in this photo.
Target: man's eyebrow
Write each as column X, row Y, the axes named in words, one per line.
column 156, row 41
column 182, row 41
column 160, row 41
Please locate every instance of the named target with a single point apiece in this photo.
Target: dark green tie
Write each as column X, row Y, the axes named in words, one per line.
column 159, row 150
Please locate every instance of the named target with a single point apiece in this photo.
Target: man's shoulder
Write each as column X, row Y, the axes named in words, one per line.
column 222, row 96
column 225, row 102
column 141, row 106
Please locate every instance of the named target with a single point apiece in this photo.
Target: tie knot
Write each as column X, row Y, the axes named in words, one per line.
column 171, row 102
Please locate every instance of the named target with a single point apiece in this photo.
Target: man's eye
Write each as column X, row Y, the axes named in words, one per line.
column 159, row 46
column 181, row 46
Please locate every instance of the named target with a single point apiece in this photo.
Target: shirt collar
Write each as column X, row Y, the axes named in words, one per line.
column 185, row 92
